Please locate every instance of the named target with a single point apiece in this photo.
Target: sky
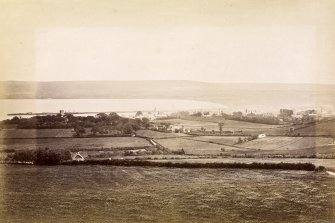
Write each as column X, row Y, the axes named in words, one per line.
column 263, row 41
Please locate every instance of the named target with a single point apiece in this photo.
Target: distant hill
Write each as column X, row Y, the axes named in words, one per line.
column 230, row 94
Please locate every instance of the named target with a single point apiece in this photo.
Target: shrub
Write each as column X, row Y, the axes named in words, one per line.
column 79, row 130
column 40, row 156
column 24, row 156
column 47, row 157
column 9, row 150
column 128, row 129
column 321, row 168
column 178, row 152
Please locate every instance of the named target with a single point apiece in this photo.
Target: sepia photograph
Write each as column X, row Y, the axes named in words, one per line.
column 167, row 111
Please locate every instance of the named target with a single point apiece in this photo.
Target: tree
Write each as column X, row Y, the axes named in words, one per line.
column 24, row 156
column 47, row 157
column 145, row 122
column 102, row 117
column 139, row 113
column 15, row 120
column 197, row 114
column 136, row 126
column 114, row 118
column 79, row 130
column 128, row 129
column 220, row 124
column 100, row 128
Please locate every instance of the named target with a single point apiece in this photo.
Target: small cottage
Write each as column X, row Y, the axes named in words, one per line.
column 77, row 156
column 260, row 136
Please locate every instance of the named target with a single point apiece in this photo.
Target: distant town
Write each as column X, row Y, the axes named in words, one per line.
column 100, row 122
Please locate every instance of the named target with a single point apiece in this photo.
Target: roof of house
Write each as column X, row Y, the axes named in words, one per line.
column 79, row 155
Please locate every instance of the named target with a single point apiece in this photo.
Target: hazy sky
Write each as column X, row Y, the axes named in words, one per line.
column 228, row 41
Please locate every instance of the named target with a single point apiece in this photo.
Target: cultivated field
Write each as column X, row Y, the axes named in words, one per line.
column 74, row 143
column 35, row 133
column 286, row 143
column 138, row 194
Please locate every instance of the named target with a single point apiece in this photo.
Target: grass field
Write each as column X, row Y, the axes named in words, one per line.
column 225, row 140
column 139, row 194
column 215, row 145
column 74, row 143
column 323, row 128
column 158, row 135
column 191, row 124
column 35, row 133
column 229, row 125
column 286, row 143
column 195, row 147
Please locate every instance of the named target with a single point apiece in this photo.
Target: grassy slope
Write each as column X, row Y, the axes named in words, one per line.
column 137, row 194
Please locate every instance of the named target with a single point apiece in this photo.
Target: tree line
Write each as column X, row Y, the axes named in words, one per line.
column 102, row 123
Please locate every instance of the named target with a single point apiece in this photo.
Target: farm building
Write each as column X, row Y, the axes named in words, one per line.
column 78, row 156
column 136, row 152
column 260, row 136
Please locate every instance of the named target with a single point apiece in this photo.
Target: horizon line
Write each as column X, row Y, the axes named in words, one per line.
column 138, row 80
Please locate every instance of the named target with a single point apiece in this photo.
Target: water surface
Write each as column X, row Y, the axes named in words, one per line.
column 99, row 105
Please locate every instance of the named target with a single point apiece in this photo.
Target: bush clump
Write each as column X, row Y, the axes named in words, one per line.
column 39, row 156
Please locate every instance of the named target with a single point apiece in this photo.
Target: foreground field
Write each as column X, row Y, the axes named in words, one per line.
column 74, row 143
column 136, row 194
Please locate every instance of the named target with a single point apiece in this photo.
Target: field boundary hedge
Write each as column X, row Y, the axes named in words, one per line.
column 235, row 165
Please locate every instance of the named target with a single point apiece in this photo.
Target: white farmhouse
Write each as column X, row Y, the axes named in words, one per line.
column 260, row 136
